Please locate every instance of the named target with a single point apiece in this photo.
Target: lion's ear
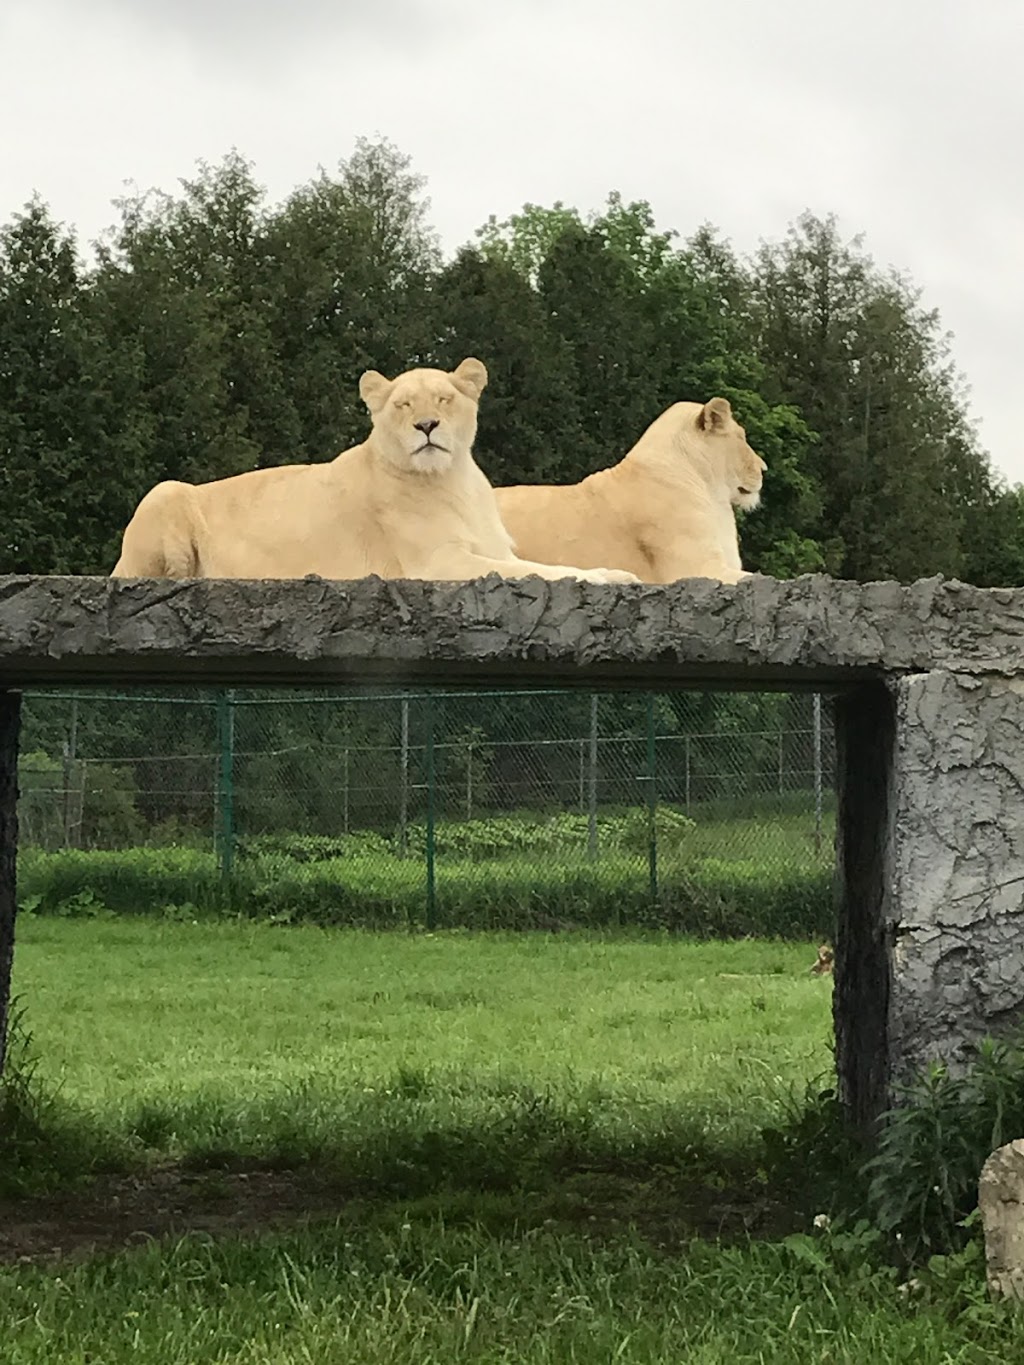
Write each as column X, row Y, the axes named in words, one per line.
column 374, row 389
column 470, row 377
column 714, row 415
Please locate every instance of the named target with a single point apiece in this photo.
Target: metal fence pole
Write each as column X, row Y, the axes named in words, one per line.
column 430, row 814
column 592, row 793
column 70, row 755
column 403, row 789
column 817, row 772
column 686, row 761
column 469, row 781
column 226, row 781
column 652, row 802
column 782, row 760
column 345, row 791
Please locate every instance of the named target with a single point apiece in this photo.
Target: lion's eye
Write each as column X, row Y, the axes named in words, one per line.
column 444, row 398
column 403, row 403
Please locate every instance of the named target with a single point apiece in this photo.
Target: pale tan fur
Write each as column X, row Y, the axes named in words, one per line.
column 826, row 961
column 665, row 511
column 409, row 502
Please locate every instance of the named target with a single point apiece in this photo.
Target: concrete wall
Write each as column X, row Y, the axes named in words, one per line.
column 928, row 682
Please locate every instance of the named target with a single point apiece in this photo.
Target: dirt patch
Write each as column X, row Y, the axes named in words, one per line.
column 125, row 1210
column 121, row 1211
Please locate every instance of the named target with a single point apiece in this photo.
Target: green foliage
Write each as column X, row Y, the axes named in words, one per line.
column 357, row 881
column 924, row 1177
column 42, row 1142
column 499, row 836
column 896, row 466
column 215, row 332
column 39, row 815
column 71, row 439
column 110, row 815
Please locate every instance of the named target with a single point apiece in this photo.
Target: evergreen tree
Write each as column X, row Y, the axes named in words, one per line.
column 68, row 431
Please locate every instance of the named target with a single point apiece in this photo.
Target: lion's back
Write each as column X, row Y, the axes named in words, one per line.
column 569, row 524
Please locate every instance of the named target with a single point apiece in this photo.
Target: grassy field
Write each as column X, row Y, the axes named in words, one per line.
column 471, row 1148
column 717, row 876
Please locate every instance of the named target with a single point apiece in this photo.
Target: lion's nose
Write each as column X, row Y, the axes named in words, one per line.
column 427, row 425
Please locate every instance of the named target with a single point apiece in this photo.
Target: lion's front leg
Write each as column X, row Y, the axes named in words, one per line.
column 463, row 564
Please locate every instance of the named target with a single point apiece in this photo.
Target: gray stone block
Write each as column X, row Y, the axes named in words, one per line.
column 928, row 682
column 761, row 632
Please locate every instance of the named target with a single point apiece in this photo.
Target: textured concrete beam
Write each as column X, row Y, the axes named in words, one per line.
column 810, row 631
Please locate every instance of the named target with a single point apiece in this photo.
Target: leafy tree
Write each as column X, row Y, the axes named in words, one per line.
column 524, row 240
column 642, row 325
column 529, row 417
column 187, row 278
column 994, row 537
column 354, row 258
column 65, row 438
column 867, row 367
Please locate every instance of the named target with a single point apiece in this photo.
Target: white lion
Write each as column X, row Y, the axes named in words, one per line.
column 409, row 502
column 666, row 511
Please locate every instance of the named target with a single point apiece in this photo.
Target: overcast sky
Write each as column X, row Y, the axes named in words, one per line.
column 904, row 117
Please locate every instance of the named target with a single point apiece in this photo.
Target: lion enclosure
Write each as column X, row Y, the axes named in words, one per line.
column 923, row 681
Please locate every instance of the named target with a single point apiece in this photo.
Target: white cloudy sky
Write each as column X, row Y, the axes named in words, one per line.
column 905, row 117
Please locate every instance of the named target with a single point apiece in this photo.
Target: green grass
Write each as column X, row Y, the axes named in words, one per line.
column 521, row 1136
column 715, row 878
column 254, row 1039
column 413, row 1287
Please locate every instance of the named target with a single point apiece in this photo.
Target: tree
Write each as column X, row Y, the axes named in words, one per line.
column 62, row 426
column 641, row 325
column 994, row 538
column 524, row 240
column 529, row 417
column 354, row 258
column 868, row 368
column 190, row 280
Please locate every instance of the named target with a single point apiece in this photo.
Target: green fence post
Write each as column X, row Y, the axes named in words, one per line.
column 592, row 787
column 652, row 802
column 403, row 791
column 431, row 794
column 226, row 781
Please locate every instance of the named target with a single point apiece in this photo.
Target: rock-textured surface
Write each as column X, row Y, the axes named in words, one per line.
column 954, row 911
column 930, row 722
column 930, row 864
column 1001, row 1201
column 811, row 630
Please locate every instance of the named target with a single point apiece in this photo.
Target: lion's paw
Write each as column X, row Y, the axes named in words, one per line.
column 609, row 576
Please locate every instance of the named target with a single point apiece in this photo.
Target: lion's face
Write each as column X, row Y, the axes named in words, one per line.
column 731, row 456
column 425, row 419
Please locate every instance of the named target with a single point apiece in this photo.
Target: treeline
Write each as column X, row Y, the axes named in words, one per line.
column 212, row 332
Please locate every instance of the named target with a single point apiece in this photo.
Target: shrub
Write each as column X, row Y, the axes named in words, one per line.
column 381, row 890
column 924, row 1175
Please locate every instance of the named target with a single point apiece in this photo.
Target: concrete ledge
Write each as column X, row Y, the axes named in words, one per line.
column 808, row 632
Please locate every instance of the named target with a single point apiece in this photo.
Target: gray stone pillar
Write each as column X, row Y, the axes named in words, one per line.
column 930, row 950
column 10, row 710
column 956, row 912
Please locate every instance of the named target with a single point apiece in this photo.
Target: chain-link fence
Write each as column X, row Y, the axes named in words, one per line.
column 464, row 807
